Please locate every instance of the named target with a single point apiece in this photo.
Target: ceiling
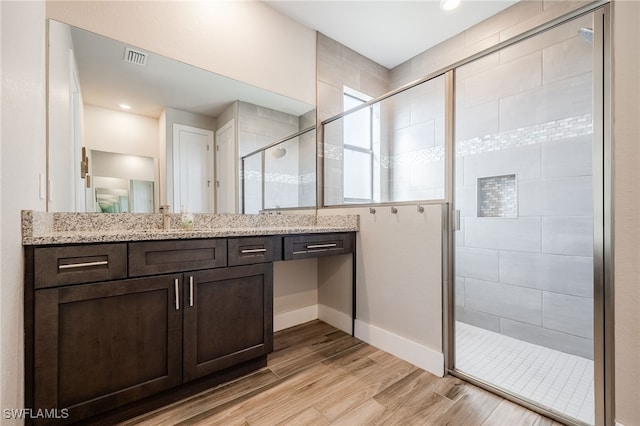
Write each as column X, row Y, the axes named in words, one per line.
column 107, row 81
column 388, row 32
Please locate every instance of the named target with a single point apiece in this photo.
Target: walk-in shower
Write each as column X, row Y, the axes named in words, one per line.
column 513, row 138
column 525, row 171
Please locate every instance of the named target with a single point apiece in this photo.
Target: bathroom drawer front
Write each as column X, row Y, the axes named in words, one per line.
column 305, row 246
column 245, row 251
column 162, row 257
column 58, row 266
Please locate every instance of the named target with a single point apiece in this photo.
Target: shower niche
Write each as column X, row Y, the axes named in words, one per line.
column 497, row 196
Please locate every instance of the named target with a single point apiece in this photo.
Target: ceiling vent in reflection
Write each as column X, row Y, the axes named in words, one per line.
column 135, row 57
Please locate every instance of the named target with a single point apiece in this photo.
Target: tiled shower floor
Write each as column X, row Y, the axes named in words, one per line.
column 548, row 377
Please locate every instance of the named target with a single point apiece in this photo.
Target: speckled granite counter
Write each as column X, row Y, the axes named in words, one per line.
column 42, row 228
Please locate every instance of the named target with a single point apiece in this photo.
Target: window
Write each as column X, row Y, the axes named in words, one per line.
column 386, row 151
column 358, row 149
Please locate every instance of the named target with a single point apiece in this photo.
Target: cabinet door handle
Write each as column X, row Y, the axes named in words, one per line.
column 191, row 291
column 177, row 285
column 319, row 246
column 83, row 265
column 258, row 250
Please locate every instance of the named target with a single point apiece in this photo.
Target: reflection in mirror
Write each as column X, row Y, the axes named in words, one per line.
column 108, row 100
column 281, row 175
column 391, row 150
column 133, row 196
column 123, row 183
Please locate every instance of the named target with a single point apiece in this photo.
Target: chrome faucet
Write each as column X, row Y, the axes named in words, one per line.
column 166, row 219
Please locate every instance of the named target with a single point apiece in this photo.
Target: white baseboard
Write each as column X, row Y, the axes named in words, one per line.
column 619, row 424
column 335, row 318
column 296, row 317
column 410, row 351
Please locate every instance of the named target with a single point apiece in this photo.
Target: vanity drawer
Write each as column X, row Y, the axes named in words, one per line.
column 305, row 246
column 162, row 257
column 58, row 266
column 248, row 250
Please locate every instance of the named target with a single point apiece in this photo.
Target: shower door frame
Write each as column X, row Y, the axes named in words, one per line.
column 603, row 276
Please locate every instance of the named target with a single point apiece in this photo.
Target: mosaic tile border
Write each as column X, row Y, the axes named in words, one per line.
column 550, row 131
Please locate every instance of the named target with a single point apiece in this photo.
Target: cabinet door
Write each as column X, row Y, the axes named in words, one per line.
column 228, row 317
column 99, row 346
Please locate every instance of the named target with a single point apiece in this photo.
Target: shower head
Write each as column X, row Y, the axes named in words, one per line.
column 586, row 34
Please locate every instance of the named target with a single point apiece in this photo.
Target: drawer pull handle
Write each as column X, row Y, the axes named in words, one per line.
column 321, row 246
column 190, row 291
column 177, row 289
column 258, row 250
column 83, row 265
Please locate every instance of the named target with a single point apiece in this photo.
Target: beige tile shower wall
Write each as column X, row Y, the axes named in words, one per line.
column 517, row 19
column 539, row 95
column 339, row 66
column 415, row 121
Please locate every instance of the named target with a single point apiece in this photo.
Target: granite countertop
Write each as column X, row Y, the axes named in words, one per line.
column 42, row 228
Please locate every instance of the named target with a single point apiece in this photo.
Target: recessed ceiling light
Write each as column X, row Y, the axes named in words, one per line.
column 449, row 4
column 125, row 106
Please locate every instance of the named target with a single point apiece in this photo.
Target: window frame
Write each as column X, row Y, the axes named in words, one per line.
column 363, row 99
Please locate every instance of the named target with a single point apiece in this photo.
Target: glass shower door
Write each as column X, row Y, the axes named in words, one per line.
column 524, row 298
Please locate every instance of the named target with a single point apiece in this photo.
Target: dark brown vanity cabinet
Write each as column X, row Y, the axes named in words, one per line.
column 228, row 318
column 117, row 329
column 99, row 345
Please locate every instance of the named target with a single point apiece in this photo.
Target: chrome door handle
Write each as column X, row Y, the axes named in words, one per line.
column 258, row 250
column 83, row 265
column 177, row 289
column 317, row 246
column 191, row 291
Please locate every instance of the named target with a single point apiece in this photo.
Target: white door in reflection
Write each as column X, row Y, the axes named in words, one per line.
column 192, row 169
column 141, row 196
column 226, row 169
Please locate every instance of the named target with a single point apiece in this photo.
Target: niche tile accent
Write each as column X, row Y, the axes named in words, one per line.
column 497, row 196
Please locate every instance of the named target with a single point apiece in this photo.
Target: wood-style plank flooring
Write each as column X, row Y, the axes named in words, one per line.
column 318, row 375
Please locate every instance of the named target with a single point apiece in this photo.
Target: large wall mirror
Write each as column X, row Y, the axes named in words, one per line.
column 130, row 130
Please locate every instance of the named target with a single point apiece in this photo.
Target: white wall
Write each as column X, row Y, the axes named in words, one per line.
column 23, row 158
column 295, row 292
column 399, row 282
column 123, row 166
column 234, row 39
column 626, row 157
column 120, row 132
column 61, row 155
